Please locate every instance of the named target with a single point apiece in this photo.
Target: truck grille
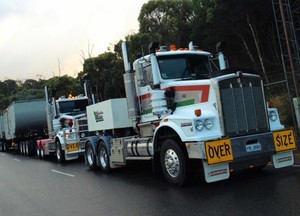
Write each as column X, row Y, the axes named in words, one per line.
column 243, row 105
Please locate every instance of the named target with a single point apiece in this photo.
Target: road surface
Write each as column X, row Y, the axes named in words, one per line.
column 32, row 187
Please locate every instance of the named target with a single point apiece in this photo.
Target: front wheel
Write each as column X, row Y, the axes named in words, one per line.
column 60, row 154
column 173, row 162
column 90, row 156
column 103, row 157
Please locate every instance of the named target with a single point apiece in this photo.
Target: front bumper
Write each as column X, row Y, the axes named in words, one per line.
column 242, row 148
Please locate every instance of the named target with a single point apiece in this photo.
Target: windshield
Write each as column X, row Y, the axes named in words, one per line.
column 189, row 66
column 72, row 106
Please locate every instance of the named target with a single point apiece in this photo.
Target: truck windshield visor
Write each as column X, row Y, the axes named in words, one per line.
column 73, row 106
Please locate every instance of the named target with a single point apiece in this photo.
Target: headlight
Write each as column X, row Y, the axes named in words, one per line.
column 208, row 124
column 70, row 136
column 82, row 135
column 273, row 115
column 199, row 125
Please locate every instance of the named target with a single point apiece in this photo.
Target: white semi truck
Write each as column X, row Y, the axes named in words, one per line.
column 178, row 110
column 44, row 127
column 63, row 117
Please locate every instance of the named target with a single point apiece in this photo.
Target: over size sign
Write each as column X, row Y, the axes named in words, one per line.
column 218, row 151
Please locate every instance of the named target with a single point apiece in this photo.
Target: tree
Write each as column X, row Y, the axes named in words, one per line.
column 168, row 21
column 64, row 85
column 104, row 73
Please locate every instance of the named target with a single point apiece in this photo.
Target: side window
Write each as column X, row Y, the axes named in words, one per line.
column 148, row 75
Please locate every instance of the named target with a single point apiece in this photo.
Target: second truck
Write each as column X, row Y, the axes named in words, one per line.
column 44, row 127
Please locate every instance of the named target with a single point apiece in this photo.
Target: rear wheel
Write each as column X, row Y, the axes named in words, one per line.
column 90, row 156
column 173, row 162
column 38, row 150
column 21, row 148
column 3, row 146
column 60, row 154
column 103, row 157
column 26, row 146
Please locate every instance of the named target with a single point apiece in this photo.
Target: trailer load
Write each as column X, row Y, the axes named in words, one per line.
column 21, row 123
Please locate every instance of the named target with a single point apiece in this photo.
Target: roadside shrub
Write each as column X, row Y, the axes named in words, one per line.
column 282, row 103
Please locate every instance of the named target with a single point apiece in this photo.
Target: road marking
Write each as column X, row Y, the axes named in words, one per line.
column 17, row 159
column 67, row 174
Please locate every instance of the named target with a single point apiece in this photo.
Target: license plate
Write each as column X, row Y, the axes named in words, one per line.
column 72, row 147
column 284, row 140
column 218, row 151
column 253, row 147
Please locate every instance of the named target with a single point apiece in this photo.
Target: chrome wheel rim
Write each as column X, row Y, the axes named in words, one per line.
column 38, row 152
column 90, row 155
column 42, row 152
column 26, row 148
column 172, row 163
column 103, row 157
column 58, row 153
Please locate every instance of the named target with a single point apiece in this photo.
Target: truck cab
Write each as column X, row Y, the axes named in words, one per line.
column 62, row 117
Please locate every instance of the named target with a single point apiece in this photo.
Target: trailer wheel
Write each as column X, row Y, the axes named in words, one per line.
column 2, row 146
column 90, row 156
column 38, row 151
column 60, row 154
column 26, row 147
column 173, row 162
column 21, row 148
column 103, row 157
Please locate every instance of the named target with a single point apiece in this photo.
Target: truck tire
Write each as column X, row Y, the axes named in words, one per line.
column 60, row 154
column 26, row 148
column 5, row 146
column 42, row 152
column 29, row 148
column 38, row 151
column 21, row 148
column 2, row 146
column 90, row 156
column 173, row 162
column 103, row 157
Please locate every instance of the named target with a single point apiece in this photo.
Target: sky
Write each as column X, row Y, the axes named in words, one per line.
column 40, row 39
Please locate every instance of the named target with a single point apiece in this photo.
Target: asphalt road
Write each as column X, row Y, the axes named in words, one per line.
column 32, row 187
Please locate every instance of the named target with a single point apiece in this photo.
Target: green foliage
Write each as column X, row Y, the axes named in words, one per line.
column 105, row 74
column 282, row 103
column 11, row 90
column 64, row 85
column 27, row 94
column 168, row 21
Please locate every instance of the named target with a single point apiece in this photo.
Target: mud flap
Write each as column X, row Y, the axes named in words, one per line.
column 283, row 159
column 216, row 172
column 71, row 156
